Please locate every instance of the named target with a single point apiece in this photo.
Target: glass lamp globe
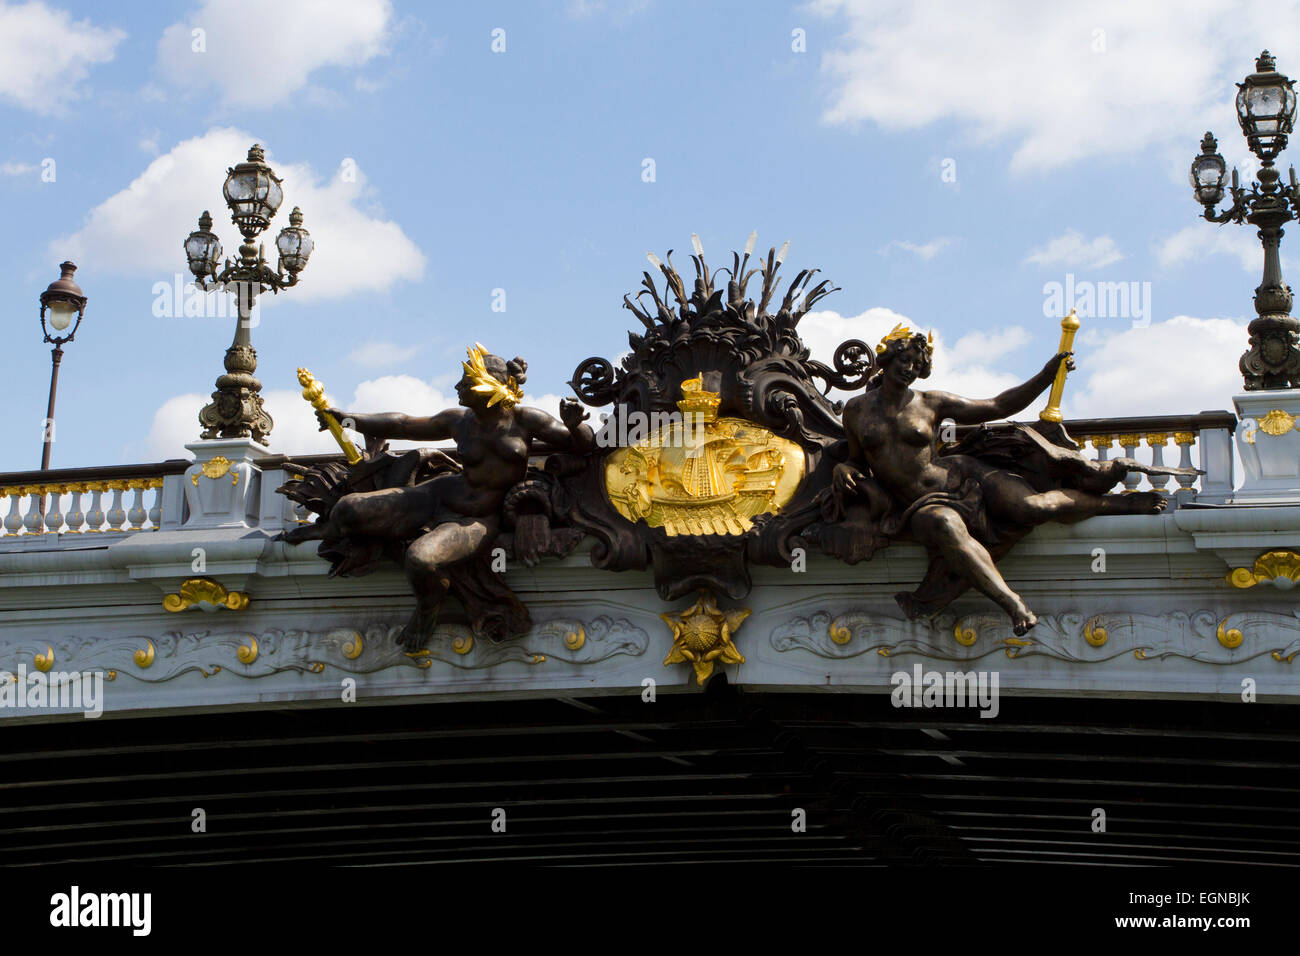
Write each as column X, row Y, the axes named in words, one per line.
column 1266, row 108
column 1207, row 173
column 253, row 193
column 294, row 244
column 61, row 315
column 203, row 248
column 62, row 302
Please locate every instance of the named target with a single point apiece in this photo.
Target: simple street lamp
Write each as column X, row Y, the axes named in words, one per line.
column 253, row 193
column 64, row 304
column 1266, row 110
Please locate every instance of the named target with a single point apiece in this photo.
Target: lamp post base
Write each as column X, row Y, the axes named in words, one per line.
column 1273, row 360
column 236, row 408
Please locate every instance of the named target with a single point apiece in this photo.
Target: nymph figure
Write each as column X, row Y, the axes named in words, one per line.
column 455, row 515
column 968, row 502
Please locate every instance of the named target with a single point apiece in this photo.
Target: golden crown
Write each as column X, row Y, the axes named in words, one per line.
column 901, row 331
column 507, row 393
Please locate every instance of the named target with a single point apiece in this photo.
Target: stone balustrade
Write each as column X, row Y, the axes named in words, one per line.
column 121, row 499
column 1201, row 441
column 130, row 498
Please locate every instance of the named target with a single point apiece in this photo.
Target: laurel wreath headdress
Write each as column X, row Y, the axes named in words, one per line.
column 901, row 331
column 507, row 393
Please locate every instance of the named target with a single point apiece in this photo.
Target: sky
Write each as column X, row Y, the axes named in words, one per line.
column 496, row 172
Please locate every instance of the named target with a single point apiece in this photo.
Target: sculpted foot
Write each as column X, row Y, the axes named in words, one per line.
column 1022, row 620
column 415, row 636
column 908, row 604
column 1147, row 502
column 307, row 532
column 1134, row 503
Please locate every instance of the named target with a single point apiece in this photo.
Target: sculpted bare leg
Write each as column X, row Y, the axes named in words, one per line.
column 1013, row 499
column 943, row 529
column 426, row 561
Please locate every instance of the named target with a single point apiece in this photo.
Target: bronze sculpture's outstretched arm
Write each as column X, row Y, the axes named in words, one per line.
column 573, row 434
column 965, row 411
column 396, row 425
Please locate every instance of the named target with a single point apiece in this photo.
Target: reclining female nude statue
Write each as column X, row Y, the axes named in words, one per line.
column 456, row 514
column 966, row 502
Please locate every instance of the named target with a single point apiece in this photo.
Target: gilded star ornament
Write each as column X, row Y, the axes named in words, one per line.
column 702, row 635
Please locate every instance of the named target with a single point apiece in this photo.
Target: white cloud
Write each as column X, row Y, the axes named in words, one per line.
column 959, row 369
column 1199, row 241
column 925, row 250
column 1073, row 251
column 174, row 424
column 17, row 169
column 257, row 55
column 355, row 250
column 378, row 354
column 1058, row 82
column 45, row 55
column 1181, row 366
column 978, row 347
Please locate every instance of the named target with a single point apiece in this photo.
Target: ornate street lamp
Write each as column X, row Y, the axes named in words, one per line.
column 1266, row 110
column 64, row 304
column 253, row 193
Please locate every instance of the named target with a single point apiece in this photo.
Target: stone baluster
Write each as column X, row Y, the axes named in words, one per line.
column 1184, row 441
column 1215, row 458
column 34, row 521
column 155, row 513
column 137, row 514
column 13, row 522
column 116, row 514
column 54, row 511
column 1130, row 445
column 1158, row 441
column 75, row 518
column 1102, row 443
column 95, row 517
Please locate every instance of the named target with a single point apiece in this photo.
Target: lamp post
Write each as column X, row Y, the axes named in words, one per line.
column 65, row 304
column 253, row 193
column 1266, row 110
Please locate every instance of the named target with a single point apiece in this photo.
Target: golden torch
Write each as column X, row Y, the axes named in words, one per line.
column 1052, row 413
column 314, row 392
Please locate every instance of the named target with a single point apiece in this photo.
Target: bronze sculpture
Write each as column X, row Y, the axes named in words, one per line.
column 453, row 514
column 969, row 502
column 769, row 467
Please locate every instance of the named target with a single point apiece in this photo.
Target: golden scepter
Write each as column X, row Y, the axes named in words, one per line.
column 314, row 392
column 1052, row 413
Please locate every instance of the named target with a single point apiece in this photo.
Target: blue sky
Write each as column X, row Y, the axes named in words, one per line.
column 940, row 168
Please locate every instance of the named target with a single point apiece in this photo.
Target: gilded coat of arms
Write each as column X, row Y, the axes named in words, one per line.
column 701, row 474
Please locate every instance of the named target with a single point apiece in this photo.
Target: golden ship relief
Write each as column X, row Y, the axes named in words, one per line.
column 703, row 474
